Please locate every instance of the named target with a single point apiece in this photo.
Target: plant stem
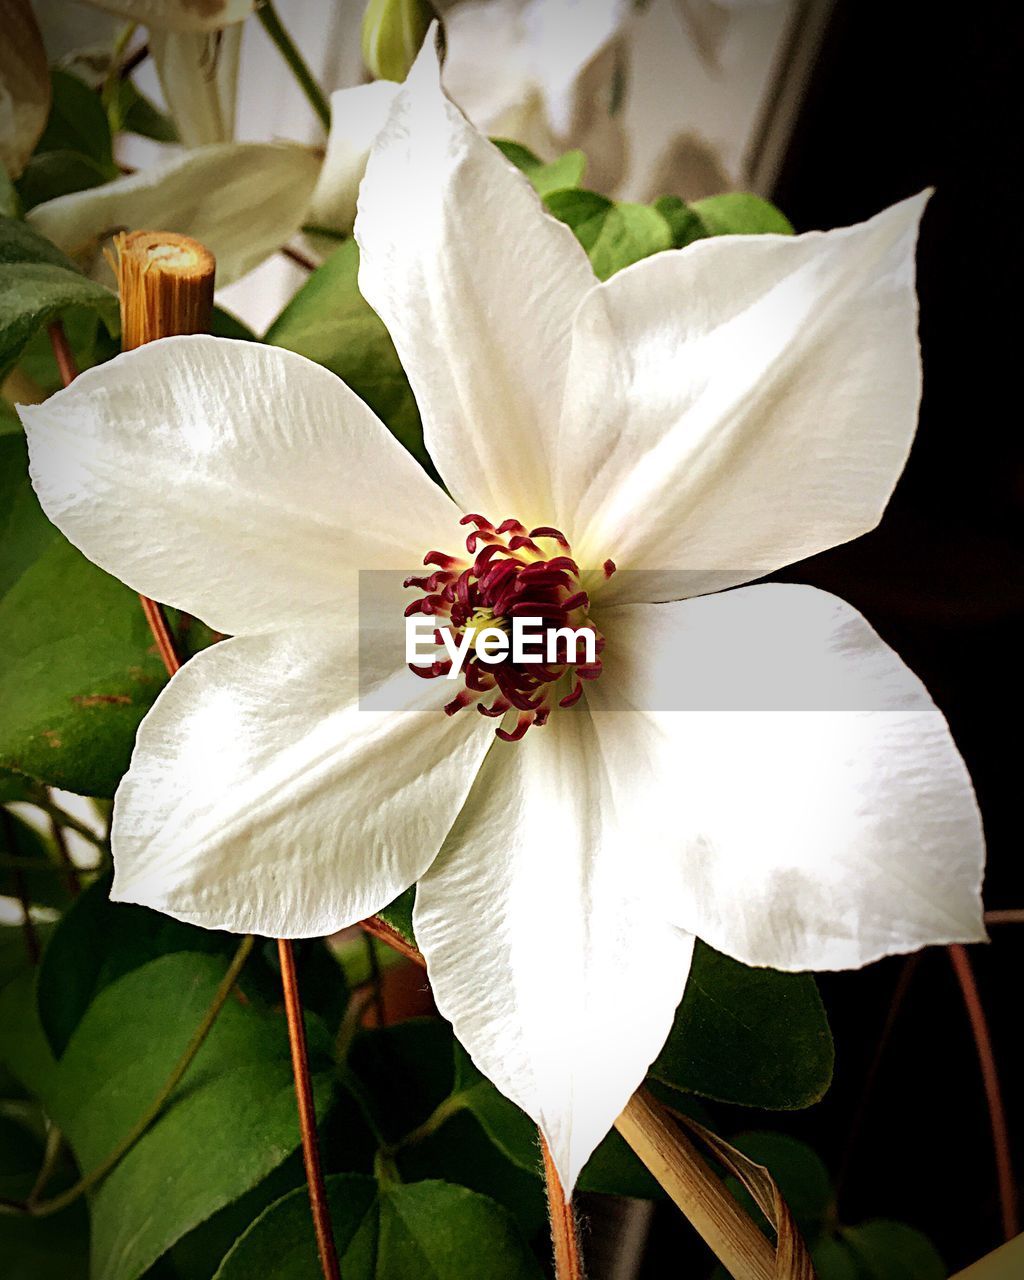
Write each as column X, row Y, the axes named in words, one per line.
column 565, row 1236
column 70, row 870
column 1013, row 916
column 307, row 1113
column 300, row 259
column 442, row 1113
column 62, row 352
column 993, row 1094
column 43, row 1208
column 289, row 51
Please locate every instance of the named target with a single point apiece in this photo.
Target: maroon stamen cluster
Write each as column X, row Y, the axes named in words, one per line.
column 511, row 574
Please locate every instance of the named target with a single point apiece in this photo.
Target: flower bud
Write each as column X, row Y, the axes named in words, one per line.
column 393, row 31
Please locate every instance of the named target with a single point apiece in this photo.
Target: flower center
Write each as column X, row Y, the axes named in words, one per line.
column 511, row 574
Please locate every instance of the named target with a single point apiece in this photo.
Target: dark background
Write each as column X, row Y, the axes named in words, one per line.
column 903, row 96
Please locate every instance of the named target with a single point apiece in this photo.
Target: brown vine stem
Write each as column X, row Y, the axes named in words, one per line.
column 565, row 1236
column 964, row 971
column 67, row 863
column 1013, row 916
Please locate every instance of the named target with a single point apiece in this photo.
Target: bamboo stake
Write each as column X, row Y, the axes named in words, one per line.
column 166, row 285
column 678, row 1166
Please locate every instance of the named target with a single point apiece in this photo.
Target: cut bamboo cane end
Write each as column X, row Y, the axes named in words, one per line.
column 165, row 282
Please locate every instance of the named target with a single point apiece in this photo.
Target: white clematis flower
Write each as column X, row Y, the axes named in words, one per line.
column 207, row 192
column 756, row 768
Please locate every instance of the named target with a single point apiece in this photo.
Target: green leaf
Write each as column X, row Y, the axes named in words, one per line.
column 96, row 943
column 405, row 1072
column 58, row 173
column 750, row 1036
column 230, row 1123
column 77, row 673
column 737, row 213
column 36, row 284
column 683, row 221
column 329, row 321
column 90, row 342
column 614, row 234
column 25, row 532
column 55, row 1248
column 566, row 171
column 398, row 915
column 401, row 1232
column 130, row 111
column 78, row 123
column 886, row 1250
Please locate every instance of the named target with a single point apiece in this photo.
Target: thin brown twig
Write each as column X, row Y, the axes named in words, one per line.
column 67, row 367
column 1012, row 916
column 307, row 1113
column 565, row 1235
column 964, row 971
column 162, row 634
column 67, row 862
column 300, row 259
column 381, row 929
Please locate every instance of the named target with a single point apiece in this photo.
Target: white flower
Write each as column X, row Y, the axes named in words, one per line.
column 702, row 418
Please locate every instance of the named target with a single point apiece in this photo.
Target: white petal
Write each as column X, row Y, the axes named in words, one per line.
column 206, row 193
column 357, row 116
column 180, row 15
column 477, row 286
column 811, row 804
column 262, row 797
column 740, row 404
column 198, row 73
column 564, row 37
column 546, row 948
column 239, row 482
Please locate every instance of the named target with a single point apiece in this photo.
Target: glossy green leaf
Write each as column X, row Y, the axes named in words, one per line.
column 229, row 1124
column 78, row 672
column 78, row 122
column 737, row 213
column 392, row 1232
column 329, row 321
column 36, row 284
column 58, row 173
column 684, row 222
column 25, row 532
column 398, row 915
column 566, row 171
column 750, row 1036
column 97, row 942
column 90, row 341
column 614, row 234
